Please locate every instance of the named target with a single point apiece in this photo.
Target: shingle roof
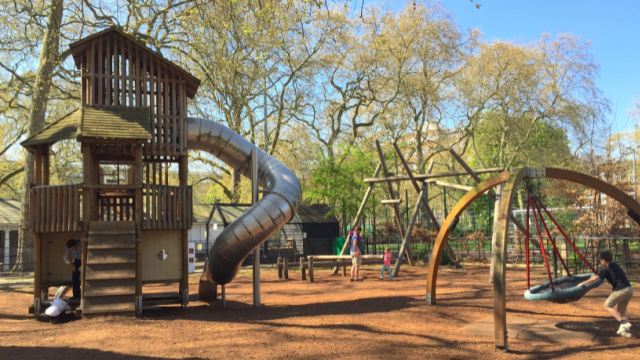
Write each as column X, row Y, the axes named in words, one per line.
column 122, row 123
column 201, row 213
column 63, row 129
column 9, row 213
column 315, row 213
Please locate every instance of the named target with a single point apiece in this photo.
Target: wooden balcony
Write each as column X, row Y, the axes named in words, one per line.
column 59, row 208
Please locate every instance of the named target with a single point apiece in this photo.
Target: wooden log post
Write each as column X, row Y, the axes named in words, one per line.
column 280, row 267
column 286, row 268
column 344, row 270
column 303, row 273
column 310, row 268
column 392, row 196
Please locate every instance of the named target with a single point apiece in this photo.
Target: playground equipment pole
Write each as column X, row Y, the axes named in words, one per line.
column 256, row 253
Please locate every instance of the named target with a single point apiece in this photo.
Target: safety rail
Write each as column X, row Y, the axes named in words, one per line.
column 167, row 207
column 56, row 208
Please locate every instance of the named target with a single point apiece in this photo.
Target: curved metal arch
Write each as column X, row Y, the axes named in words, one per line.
column 512, row 181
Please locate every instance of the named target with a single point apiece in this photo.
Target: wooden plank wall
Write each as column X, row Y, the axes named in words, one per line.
column 55, row 208
column 167, row 207
column 117, row 72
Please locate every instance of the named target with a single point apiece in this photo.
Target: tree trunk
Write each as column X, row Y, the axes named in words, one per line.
column 49, row 59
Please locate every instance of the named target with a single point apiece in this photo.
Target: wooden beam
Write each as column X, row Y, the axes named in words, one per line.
column 421, row 177
column 490, row 193
column 392, row 201
column 450, row 185
column 396, row 210
column 422, row 199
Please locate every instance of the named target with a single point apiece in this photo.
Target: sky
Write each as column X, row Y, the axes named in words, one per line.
column 612, row 28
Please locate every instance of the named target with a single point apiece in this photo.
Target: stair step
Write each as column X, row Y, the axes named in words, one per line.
column 112, row 275
column 110, row 256
column 106, row 246
column 110, row 271
column 110, row 291
column 111, row 304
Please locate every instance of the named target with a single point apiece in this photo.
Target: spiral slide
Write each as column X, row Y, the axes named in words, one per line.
column 276, row 208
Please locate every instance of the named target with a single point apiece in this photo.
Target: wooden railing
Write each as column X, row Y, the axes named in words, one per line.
column 56, row 208
column 167, row 207
column 59, row 208
column 117, row 208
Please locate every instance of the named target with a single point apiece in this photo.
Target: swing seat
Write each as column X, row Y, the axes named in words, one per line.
column 566, row 289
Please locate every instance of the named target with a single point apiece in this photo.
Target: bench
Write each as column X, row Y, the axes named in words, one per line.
column 331, row 261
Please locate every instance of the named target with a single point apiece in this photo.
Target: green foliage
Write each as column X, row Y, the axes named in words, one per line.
column 515, row 142
column 338, row 181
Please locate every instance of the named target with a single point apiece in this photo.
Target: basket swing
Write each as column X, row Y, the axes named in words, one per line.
column 562, row 290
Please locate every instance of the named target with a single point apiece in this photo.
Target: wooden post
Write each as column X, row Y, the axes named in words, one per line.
column 37, row 164
column 286, row 268
column 46, row 171
column 137, row 168
column 344, row 270
column 396, row 210
column 310, row 258
column 407, row 234
column 280, row 267
column 184, row 282
column 37, row 271
column 303, row 273
column 495, row 228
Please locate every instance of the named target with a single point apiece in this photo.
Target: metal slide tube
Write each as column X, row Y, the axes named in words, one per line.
column 263, row 219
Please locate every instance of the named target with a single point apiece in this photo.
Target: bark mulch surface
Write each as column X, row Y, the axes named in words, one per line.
column 331, row 318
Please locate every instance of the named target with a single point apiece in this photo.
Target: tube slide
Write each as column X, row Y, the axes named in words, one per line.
column 263, row 219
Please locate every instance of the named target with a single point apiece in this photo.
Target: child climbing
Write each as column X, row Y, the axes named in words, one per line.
column 386, row 264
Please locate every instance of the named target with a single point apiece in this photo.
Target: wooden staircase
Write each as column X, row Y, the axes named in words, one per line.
column 111, row 268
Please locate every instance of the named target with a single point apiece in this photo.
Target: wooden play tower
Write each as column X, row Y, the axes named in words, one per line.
column 130, row 212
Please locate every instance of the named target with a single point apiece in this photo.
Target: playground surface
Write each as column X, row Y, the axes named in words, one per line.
column 332, row 318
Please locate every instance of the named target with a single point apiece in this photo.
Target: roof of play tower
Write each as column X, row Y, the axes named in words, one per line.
column 89, row 122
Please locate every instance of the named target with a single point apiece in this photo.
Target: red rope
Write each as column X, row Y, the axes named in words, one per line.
column 537, row 201
column 544, row 255
column 567, row 238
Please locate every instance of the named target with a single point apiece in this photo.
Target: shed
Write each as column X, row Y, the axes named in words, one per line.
column 9, row 225
column 310, row 232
